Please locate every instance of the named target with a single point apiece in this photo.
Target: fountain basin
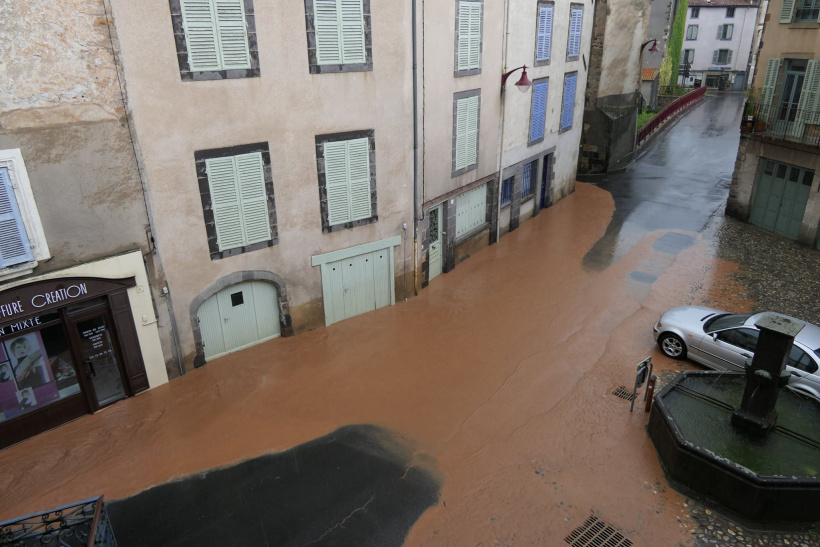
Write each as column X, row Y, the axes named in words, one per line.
column 771, row 479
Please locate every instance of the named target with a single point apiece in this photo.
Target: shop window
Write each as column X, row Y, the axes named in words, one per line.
column 22, row 240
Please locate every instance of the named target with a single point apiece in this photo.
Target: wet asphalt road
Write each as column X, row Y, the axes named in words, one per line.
column 678, row 184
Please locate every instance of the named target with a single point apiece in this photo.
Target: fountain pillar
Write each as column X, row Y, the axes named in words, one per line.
column 766, row 374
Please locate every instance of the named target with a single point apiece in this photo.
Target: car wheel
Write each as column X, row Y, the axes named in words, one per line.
column 672, row 346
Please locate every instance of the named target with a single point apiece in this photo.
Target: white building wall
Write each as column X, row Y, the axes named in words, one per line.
column 707, row 42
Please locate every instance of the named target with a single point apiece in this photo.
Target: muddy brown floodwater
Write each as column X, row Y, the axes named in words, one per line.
column 501, row 372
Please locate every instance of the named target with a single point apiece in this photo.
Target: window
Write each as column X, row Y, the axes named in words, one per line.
column 688, row 56
column 22, row 240
column 808, row 11
column 347, row 184
column 236, row 187
column 722, row 57
column 742, row 338
column 543, row 42
column 506, row 191
column 528, row 179
column 538, row 116
column 724, row 32
column 215, row 39
column 575, row 22
column 568, row 106
column 725, row 321
column 730, row 12
column 339, row 36
column 692, row 32
column 468, row 37
column 466, row 108
column 800, row 360
column 695, row 13
column 471, row 210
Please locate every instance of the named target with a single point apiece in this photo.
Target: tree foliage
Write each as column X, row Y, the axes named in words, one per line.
column 671, row 60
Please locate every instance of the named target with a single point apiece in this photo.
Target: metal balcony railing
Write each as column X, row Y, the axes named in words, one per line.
column 81, row 524
column 785, row 123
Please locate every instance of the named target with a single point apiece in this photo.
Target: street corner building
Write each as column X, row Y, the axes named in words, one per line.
column 774, row 184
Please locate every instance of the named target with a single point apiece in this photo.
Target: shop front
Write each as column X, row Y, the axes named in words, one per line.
column 68, row 347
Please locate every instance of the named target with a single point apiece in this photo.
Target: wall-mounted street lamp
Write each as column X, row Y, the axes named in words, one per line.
column 523, row 83
column 654, row 47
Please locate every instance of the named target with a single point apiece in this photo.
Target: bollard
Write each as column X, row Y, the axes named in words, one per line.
column 650, row 390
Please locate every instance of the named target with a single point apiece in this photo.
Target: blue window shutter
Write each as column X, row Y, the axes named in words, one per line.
column 14, row 243
column 539, row 111
column 568, row 108
column 576, row 19
column 544, row 43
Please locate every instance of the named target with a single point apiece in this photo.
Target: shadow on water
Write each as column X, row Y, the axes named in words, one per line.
column 678, row 184
column 357, row 486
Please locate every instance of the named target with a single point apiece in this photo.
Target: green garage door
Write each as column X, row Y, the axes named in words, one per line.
column 781, row 197
column 237, row 317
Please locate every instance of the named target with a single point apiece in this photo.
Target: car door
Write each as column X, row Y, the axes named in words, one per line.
column 728, row 349
column 804, row 368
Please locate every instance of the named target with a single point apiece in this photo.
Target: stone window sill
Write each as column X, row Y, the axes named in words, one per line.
column 17, row 270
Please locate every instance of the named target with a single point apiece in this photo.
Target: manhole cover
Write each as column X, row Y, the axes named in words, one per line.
column 596, row 533
column 624, row 393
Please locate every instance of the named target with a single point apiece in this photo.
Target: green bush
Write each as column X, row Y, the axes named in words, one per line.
column 645, row 115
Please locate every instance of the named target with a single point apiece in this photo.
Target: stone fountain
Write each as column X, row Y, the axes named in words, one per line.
column 740, row 440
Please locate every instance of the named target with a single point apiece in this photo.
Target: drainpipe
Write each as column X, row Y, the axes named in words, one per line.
column 415, row 156
column 499, row 165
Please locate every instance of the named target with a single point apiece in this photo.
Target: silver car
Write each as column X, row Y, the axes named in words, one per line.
column 723, row 341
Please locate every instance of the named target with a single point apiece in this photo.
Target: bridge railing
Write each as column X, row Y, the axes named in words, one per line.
column 681, row 103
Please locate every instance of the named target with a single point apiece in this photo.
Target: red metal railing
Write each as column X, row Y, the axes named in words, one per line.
column 679, row 104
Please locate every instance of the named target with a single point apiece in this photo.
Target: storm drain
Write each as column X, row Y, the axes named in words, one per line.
column 624, row 393
column 595, row 533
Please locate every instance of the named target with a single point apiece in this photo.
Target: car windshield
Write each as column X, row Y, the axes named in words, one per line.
column 728, row 321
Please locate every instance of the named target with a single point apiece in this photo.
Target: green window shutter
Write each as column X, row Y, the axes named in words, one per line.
column 250, row 172
column 233, row 34
column 199, row 21
column 327, row 29
column 720, row 32
column 466, row 132
column 358, row 169
column 337, row 184
column 225, row 202
column 469, row 35
column 729, row 57
column 14, row 242
column 809, row 102
column 352, row 32
column 715, row 57
column 475, row 35
column 729, row 31
column 787, row 11
column 769, row 83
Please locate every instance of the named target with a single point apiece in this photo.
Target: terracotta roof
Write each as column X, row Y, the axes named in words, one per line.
column 722, row 3
column 648, row 74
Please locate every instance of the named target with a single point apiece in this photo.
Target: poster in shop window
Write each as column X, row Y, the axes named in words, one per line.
column 26, row 378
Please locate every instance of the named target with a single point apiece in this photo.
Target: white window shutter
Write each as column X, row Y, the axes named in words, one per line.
column 544, row 42
column 729, row 57
column 576, row 20
column 14, row 242
column 351, row 16
column 539, row 111
column 466, row 132
column 720, row 32
column 715, row 57
column 233, row 34
column 729, row 30
column 568, row 108
column 358, row 169
column 225, row 202
column 337, row 184
column 199, row 21
column 253, row 199
column 469, row 35
column 327, row 29
column 475, row 35
column 787, row 11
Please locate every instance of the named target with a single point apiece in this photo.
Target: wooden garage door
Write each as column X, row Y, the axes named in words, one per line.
column 237, row 317
column 781, row 197
column 357, row 285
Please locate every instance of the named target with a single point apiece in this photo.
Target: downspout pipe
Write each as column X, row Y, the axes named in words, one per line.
column 415, row 148
column 500, row 164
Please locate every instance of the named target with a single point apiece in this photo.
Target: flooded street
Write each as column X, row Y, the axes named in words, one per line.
column 497, row 378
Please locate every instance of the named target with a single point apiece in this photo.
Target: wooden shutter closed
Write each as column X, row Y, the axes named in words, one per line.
column 568, row 108
column 769, row 83
column 225, row 202
column 14, row 242
column 576, row 19
column 352, row 31
column 233, row 34
column 469, row 35
column 787, row 11
column 810, row 95
column 347, row 180
column 250, row 172
column 200, row 35
column 326, row 28
column 539, row 111
column 544, row 41
column 729, row 57
column 715, row 56
column 466, row 132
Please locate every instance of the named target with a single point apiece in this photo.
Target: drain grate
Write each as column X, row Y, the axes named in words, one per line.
column 624, row 393
column 596, row 533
